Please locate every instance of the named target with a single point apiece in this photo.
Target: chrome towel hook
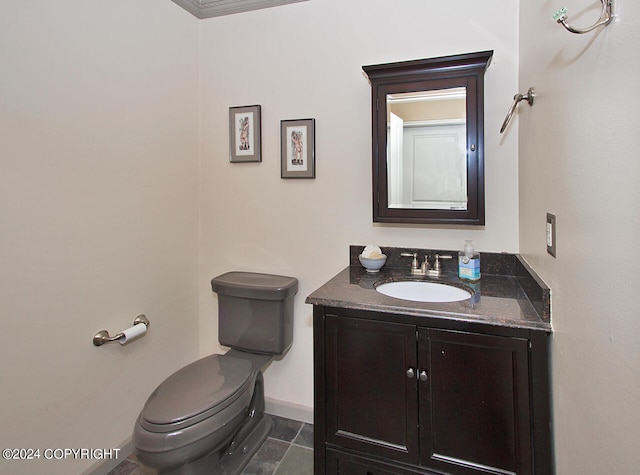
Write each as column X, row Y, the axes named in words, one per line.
column 516, row 99
column 606, row 15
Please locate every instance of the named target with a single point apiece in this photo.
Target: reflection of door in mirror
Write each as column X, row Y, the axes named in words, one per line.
column 426, row 149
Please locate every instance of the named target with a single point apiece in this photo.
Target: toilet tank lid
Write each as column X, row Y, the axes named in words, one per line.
column 253, row 285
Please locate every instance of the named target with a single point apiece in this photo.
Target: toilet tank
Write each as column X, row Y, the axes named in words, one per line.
column 255, row 311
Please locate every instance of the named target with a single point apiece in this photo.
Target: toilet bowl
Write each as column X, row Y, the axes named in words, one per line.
column 208, row 417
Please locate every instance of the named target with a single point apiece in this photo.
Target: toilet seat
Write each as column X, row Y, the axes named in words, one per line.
column 198, row 392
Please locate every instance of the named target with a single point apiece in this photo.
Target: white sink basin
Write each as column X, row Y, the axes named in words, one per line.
column 419, row 291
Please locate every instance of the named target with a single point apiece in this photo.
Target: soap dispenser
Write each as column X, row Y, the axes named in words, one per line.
column 469, row 262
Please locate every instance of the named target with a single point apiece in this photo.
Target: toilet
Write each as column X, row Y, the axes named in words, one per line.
column 208, row 417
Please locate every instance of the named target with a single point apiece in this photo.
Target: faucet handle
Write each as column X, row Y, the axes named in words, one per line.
column 436, row 264
column 414, row 263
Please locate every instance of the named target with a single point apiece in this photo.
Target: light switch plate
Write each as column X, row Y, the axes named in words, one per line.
column 551, row 234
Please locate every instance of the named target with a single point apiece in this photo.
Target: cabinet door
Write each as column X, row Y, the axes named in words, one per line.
column 371, row 389
column 474, row 404
column 340, row 463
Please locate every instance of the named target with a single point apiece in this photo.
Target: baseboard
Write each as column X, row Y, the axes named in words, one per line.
column 102, row 467
column 289, row 410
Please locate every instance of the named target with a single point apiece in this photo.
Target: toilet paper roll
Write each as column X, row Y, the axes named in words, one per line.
column 132, row 333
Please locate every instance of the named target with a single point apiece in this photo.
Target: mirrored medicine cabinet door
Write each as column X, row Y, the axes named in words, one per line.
column 428, row 140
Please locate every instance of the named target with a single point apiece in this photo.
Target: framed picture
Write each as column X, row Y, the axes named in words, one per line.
column 297, row 139
column 244, row 134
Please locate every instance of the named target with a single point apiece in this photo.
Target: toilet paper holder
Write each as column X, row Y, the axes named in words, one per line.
column 130, row 333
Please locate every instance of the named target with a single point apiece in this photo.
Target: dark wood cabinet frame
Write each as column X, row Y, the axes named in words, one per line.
column 464, row 70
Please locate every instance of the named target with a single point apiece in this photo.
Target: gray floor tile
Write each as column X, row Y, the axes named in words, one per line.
column 305, row 436
column 285, row 429
column 142, row 470
column 266, row 460
column 297, row 461
column 126, row 467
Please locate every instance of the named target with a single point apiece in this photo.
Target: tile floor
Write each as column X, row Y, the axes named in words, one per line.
column 287, row 451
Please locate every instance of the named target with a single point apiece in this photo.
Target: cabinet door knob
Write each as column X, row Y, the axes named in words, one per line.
column 423, row 375
column 411, row 373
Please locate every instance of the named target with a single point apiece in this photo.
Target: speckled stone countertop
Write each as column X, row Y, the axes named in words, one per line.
column 509, row 292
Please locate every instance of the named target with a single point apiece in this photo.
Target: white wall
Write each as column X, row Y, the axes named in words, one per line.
column 304, row 60
column 98, row 216
column 99, row 115
column 579, row 160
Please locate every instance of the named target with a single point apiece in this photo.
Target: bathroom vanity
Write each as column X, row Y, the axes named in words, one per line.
column 406, row 387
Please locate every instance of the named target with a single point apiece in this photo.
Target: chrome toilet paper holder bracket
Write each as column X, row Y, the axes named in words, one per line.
column 103, row 336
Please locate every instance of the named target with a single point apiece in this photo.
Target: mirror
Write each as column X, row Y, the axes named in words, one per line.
column 428, row 147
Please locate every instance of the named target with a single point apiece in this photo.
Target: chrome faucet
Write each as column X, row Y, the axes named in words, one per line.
column 423, row 269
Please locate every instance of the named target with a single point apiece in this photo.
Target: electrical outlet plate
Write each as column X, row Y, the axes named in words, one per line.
column 551, row 234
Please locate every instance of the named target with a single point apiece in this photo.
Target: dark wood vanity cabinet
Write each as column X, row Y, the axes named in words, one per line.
column 394, row 396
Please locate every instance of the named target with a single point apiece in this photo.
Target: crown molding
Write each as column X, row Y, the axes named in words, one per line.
column 211, row 8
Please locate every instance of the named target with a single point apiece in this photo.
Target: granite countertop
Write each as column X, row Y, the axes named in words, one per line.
column 512, row 295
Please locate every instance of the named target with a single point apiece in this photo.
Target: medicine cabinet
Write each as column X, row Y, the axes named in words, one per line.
column 428, row 140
